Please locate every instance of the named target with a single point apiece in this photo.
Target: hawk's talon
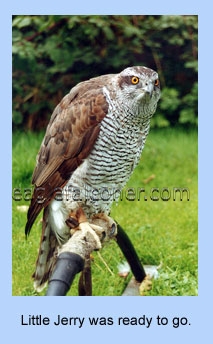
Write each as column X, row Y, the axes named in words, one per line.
column 103, row 225
column 107, row 225
column 113, row 230
column 72, row 223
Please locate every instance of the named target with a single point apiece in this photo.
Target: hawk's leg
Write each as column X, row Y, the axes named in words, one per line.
column 100, row 223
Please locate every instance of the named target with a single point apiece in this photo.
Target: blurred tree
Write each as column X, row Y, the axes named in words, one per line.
column 53, row 53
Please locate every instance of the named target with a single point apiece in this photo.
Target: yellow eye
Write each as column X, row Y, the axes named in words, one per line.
column 157, row 82
column 135, row 80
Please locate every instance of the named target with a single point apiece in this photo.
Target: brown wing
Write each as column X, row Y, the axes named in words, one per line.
column 70, row 136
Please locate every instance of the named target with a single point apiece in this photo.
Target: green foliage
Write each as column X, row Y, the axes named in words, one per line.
column 163, row 232
column 53, row 53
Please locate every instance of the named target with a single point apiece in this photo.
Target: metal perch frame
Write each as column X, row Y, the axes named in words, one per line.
column 75, row 258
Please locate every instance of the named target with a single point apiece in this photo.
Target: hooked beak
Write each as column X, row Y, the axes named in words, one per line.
column 149, row 89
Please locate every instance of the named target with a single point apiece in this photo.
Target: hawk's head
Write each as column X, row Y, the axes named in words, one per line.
column 140, row 88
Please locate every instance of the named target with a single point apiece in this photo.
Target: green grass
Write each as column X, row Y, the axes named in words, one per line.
column 163, row 232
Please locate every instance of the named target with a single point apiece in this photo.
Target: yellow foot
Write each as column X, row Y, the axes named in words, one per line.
column 103, row 225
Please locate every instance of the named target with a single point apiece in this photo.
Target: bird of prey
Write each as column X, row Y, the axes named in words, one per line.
column 92, row 144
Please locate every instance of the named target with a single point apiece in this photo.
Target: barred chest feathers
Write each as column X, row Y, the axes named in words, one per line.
column 113, row 158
